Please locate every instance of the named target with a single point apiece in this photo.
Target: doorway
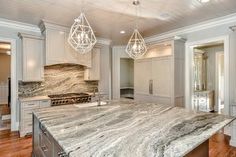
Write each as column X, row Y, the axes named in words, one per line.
column 5, row 85
column 127, row 78
column 207, row 75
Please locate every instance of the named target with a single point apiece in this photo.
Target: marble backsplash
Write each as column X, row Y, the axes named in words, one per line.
column 58, row 79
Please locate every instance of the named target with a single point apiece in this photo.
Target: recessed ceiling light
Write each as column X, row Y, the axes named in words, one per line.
column 164, row 16
column 122, row 32
column 204, row 1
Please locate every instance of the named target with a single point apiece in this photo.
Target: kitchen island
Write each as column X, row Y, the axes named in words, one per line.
column 124, row 129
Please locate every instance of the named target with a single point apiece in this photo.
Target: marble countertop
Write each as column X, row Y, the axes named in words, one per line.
column 127, row 128
column 34, row 98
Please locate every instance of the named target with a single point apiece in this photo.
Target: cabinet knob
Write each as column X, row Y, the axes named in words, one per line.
column 44, row 148
column 61, row 154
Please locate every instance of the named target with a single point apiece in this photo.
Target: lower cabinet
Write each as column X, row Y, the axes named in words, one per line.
column 43, row 143
column 26, row 110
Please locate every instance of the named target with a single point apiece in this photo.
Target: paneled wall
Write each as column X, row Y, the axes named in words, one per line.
column 63, row 78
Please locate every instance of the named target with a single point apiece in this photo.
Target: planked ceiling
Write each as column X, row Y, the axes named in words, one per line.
column 109, row 17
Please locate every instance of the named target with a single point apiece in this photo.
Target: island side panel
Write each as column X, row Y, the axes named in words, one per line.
column 201, row 151
column 36, row 149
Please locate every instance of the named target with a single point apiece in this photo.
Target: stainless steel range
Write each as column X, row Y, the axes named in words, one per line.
column 69, row 98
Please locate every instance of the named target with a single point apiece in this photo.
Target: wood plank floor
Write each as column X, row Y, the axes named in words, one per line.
column 13, row 146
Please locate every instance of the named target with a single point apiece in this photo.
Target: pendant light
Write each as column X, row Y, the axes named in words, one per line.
column 136, row 46
column 81, row 37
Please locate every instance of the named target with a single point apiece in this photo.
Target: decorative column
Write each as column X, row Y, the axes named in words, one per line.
column 232, row 74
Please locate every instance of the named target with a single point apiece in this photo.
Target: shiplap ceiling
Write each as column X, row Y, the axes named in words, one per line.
column 109, row 17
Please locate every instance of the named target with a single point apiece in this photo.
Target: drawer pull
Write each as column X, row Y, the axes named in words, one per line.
column 44, row 148
column 30, row 104
column 45, row 101
column 61, row 154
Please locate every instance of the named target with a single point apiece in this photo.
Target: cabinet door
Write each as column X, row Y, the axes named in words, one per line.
column 44, row 103
column 32, row 59
column 93, row 73
column 161, row 75
column 55, row 47
column 142, row 76
column 75, row 57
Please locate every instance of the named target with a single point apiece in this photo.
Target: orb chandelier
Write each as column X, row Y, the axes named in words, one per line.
column 136, row 46
column 81, row 37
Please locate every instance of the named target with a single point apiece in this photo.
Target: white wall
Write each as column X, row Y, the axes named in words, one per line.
column 126, row 72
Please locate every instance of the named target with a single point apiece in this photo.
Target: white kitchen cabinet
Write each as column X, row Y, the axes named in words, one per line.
column 32, row 57
column 159, row 75
column 55, row 47
column 152, row 80
column 143, row 75
column 93, row 73
column 26, row 109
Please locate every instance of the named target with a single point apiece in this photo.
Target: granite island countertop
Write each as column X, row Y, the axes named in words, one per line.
column 129, row 129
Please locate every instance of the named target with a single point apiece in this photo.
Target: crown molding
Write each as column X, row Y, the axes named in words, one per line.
column 19, row 26
column 233, row 28
column 43, row 25
column 193, row 28
column 24, row 35
column 103, row 41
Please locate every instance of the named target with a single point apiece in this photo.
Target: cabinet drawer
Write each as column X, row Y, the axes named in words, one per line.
column 45, row 103
column 58, row 151
column 45, row 145
column 27, row 124
column 27, row 114
column 30, row 104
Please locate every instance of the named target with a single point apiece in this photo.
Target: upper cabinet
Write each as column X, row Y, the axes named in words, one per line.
column 55, row 49
column 93, row 73
column 32, row 52
column 58, row 50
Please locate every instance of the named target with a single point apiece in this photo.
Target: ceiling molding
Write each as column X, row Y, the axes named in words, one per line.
column 193, row 28
column 43, row 25
column 233, row 28
column 20, row 26
column 103, row 41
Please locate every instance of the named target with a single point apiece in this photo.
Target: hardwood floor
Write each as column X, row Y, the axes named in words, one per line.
column 219, row 146
column 13, row 146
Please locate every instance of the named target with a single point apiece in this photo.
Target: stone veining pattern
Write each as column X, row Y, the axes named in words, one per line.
column 61, row 78
column 131, row 129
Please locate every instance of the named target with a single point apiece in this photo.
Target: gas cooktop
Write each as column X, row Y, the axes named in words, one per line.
column 69, row 98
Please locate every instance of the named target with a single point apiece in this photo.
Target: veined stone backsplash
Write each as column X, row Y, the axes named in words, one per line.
column 61, row 78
